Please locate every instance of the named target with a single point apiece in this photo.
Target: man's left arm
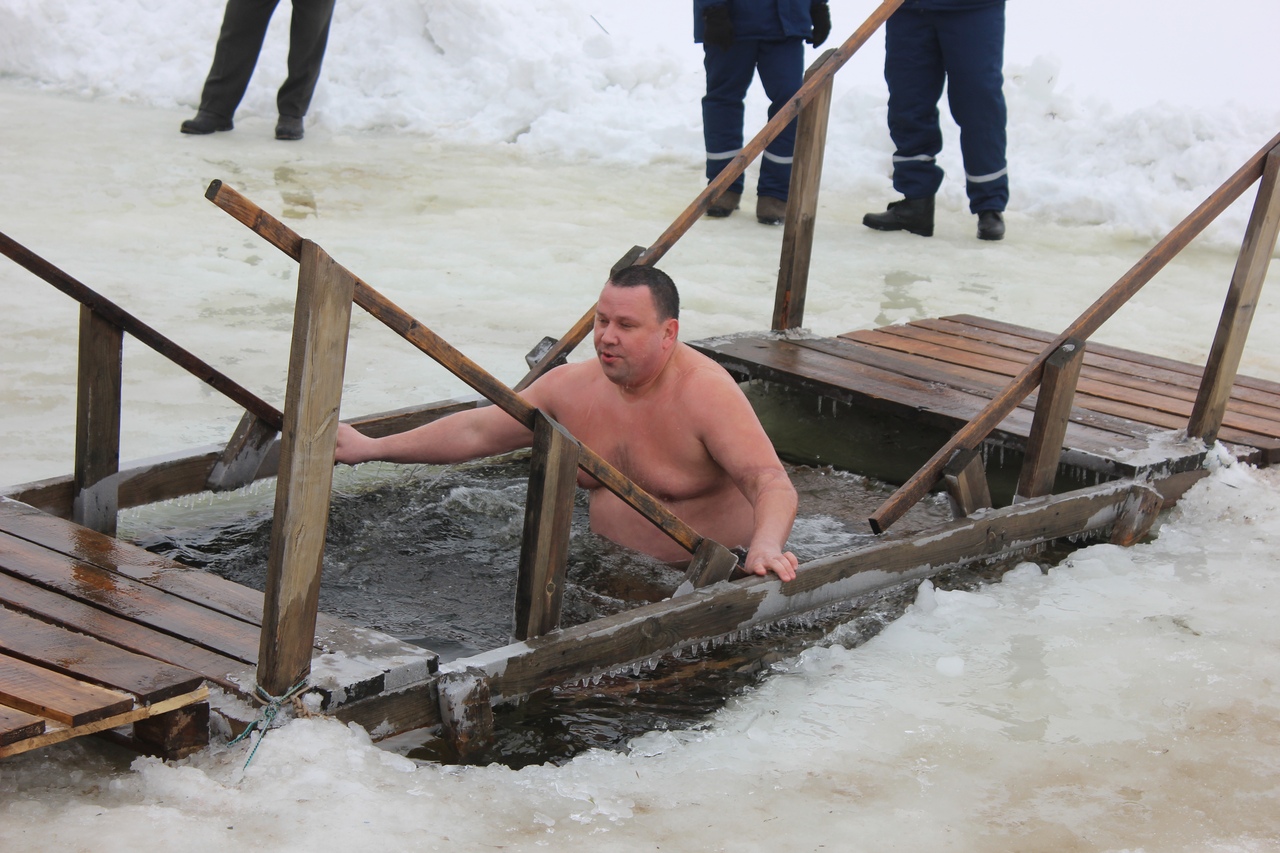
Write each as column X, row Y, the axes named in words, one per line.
column 736, row 440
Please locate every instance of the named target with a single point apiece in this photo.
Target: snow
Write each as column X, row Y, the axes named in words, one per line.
column 483, row 164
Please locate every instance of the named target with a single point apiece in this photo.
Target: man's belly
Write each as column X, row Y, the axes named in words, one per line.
column 724, row 516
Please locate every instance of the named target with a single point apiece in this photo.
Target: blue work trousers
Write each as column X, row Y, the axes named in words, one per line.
column 964, row 50
column 780, row 63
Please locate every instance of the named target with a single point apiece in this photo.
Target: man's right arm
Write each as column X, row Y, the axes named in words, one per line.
column 460, row 437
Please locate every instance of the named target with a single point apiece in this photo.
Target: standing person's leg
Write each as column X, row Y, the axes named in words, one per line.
column 914, row 73
column 308, row 37
column 729, row 73
column 781, row 67
column 973, row 50
column 244, row 26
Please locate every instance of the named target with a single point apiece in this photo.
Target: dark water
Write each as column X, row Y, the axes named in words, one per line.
column 431, row 556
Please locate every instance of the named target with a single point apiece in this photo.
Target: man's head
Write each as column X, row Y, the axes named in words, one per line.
column 637, row 324
column 666, row 298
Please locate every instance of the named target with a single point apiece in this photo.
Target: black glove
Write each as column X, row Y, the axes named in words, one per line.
column 821, row 15
column 718, row 29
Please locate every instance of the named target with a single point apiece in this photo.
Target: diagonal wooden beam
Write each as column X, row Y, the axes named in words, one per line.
column 973, row 433
column 401, row 322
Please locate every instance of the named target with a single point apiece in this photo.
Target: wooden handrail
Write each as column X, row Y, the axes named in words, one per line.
column 122, row 319
column 810, row 89
column 286, row 240
column 975, row 431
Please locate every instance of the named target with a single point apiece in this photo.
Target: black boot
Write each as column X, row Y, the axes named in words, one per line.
column 289, row 127
column 206, row 122
column 990, row 225
column 909, row 214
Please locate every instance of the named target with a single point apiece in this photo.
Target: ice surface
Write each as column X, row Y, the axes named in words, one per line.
column 484, row 164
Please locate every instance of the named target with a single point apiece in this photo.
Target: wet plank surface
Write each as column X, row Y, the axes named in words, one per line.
column 96, row 634
column 942, row 372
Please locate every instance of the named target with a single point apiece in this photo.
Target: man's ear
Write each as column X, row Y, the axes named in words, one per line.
column 670, row 331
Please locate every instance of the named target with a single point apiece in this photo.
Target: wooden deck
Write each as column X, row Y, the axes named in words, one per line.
column 96, row 634
column 942, row 372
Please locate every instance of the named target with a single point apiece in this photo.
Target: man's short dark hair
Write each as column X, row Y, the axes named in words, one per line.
column 665, row 296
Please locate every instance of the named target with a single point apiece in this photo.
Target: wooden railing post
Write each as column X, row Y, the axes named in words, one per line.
column 98, row 387
column 1049, row 426
column 976, row 430
column 548, row 512
column 1237, row 311
column 317, row 360
column 802, row 207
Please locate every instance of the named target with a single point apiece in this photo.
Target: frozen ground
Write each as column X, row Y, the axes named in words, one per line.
column 1126, row 700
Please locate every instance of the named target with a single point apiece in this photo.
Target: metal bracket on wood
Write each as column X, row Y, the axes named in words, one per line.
column 244, row 454
column 712, row 563
column 628, row 260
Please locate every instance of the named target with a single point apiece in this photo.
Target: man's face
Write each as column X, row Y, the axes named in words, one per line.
column 631, row 342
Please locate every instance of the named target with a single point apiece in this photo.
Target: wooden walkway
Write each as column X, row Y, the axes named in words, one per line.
column 943, row 371
column 96, row 634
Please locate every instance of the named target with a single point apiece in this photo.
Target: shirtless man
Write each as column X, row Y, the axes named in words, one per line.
column 663, row 414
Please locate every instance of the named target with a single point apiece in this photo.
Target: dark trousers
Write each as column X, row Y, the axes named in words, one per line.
column 729, row 72
column 964, row 50
column 244, row 26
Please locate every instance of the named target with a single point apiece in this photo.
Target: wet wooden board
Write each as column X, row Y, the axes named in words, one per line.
column 36, row 690
column 18, row 725
column 132, row 599
column 889, row 385
column 77, row 605
column 51, row 731
column 941, row 372
column 1142, row 388
column 90, row 660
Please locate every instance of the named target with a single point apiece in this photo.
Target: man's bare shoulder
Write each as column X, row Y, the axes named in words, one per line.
column 563, row 384
column 699, row 373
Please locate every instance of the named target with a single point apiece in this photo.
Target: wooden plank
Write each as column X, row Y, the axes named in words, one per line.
column 49, row 694
column 803, row 364
column 1098, row 351
column 18, row 725
column 129, row 598
column 652, row 630
column 394, row 660
column 1247, row 423
column 317, row 359
column 87, row 659
column 1104, row 429
column 1134, row 372
column 1044, row 445
column 98, row 388
column 544, row 548
column 1242, row 299
column 1128, row 384
column 1152, row 410
column 114, row 555
column 802, row 205
column 61, row 734
column 121, row 632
